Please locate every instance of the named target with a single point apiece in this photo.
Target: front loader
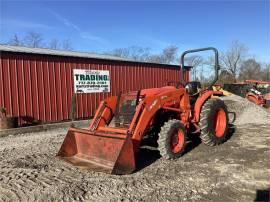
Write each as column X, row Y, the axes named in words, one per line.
column 168, row 114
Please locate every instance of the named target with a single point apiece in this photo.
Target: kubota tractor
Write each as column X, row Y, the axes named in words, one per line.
column 259, row 93
column 169, row 114
column 255, row 91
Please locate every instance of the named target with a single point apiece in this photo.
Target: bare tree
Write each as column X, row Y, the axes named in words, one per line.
column 66, row 45
column 250, row 69
column 168, row 54
column 232, row 58
column 120, row 52
column 54, row 44
column 225, row 77
column 265, row 73
column 155, row 58
column 34, row 40
column 134, row 52
column 195, row 61
column 15, row 41
column 137, row 53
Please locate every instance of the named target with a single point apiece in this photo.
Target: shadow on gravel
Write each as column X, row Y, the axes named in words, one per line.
column 231, row 131
column 150, row 154
column 192, row 143
column 146, row 157
column 262, row 195
column 196, row 141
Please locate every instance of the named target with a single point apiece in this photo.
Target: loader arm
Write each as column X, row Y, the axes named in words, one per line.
column 104, row 113
column 147, row 110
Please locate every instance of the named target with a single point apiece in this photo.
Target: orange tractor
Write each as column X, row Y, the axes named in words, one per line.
column 255, row 91
column 258, row 93
column 169, row 114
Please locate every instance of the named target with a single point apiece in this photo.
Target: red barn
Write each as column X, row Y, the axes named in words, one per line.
column 38, row 84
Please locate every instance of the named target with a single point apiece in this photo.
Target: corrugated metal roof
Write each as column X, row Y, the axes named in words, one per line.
column 58, row 52
column 46, row 51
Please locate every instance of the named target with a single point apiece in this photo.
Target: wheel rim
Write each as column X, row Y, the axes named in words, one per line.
column 177, row 141
column 220, row 122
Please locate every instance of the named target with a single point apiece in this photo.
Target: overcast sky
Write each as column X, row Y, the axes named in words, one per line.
column 105, row 25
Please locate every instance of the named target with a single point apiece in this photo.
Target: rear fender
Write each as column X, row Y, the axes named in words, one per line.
column 255, row 99
column 201, row 100
column 267, row 96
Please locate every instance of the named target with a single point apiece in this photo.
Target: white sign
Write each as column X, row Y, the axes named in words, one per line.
column 91, row 81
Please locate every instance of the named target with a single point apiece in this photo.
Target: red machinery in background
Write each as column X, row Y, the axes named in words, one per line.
column 258, row 93
column 255, row 91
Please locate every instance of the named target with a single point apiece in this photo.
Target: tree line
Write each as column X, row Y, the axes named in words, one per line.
column 36, row 40
column 235, row 62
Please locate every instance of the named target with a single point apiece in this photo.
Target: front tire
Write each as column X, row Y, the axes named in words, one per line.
column 213, row 122
column 172, row 139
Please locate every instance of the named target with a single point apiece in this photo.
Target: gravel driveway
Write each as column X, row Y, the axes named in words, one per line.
column 238, row 170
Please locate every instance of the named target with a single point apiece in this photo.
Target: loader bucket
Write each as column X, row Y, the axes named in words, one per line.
column 107, row 152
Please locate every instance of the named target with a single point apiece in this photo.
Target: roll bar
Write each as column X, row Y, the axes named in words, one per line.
column 217, row 67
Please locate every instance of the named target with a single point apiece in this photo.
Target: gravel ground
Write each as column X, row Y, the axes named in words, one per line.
column 237, row 170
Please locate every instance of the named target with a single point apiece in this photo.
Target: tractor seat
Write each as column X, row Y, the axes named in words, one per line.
column 193, row 87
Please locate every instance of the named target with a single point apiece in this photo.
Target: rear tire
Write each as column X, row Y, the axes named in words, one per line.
column 172, row 139
column 213, row 122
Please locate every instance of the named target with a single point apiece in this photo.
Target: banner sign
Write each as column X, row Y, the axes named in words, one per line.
column 91, row 81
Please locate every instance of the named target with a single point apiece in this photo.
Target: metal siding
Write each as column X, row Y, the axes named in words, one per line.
column 14, row 86
column 21, row 87
column 6, row 88
column 47, row 90
column 69, row 82
column 34, row 89
column 40, row 87
column 1, row 84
